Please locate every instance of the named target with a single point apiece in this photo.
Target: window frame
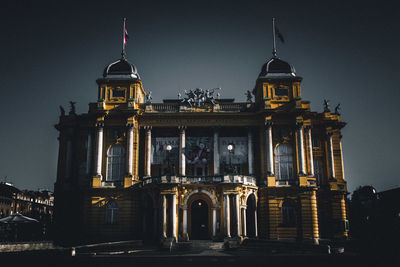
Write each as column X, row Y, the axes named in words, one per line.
column 284, row 161
column 117, row 160
column 112, row 212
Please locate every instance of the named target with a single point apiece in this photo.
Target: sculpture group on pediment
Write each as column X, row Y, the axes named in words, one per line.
column 199, row 97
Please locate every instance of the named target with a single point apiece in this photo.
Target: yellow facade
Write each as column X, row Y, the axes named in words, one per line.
column 201, row 167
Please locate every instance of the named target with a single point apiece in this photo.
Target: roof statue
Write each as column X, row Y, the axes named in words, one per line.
column 72, row 107
column 326, row 106
column 62, row 111
column 149, row 97
column 249, row 96
column 337, row 109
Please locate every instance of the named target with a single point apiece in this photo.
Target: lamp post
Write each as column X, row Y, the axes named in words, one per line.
column 169, row 148
column 231, row 149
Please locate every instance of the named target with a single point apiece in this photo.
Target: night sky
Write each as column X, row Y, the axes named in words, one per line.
column 52, row 52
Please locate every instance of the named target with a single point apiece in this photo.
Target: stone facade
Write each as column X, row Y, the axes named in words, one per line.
column 200, row 167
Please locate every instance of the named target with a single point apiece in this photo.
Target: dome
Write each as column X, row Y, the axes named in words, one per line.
column 276, row 67
column 121, row 69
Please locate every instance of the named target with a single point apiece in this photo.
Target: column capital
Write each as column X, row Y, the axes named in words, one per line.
column 99, row 124
column 130, row 124
column 308, row 127
column 299, row 124
column 147, row 128
column 329, row 134
column 268, row 123
column 182, row 128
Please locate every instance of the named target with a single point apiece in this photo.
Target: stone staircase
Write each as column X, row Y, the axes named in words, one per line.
column 199, row 245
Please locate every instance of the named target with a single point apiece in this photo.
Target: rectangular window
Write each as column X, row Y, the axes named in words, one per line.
column 118, row 93
column 281, row 92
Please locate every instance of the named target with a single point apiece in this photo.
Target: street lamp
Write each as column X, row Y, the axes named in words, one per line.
column 169, row 148
column 231, row 149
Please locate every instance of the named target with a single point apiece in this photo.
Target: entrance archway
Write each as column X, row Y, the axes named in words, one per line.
column 199, row 219
column 251, row 216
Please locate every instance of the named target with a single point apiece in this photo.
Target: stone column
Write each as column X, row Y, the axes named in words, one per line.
column 216, row 151
column 341, row 156
column 89, row 154
column 131, row 129
column 99, row 150
column 331, row 156
column 214, row 221
column 185, row 223
column 244, row 222
column 255, row 222
column 147, row 171
column 250, row 151
column 310, row 148
column 174, row 225
column 300, row 148
column 227, row 216
column 164, row 207
column 270, row 153
column 314, row 216
column 237, row 214
column 182, row 146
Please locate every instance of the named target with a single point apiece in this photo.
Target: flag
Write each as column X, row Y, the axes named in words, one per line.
column 126, row 36
column 279, row 34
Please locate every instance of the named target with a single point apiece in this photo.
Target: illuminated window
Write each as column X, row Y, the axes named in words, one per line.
column 115, row 163
column 111, row 212
column 283, row 162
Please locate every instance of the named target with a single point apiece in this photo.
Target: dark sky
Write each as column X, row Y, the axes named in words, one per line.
column 52, row 52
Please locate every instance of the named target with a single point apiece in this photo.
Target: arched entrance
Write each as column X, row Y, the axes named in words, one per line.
column 251, row 216
column 199, row 219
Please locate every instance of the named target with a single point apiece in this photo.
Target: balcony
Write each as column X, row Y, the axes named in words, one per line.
column 226, row 179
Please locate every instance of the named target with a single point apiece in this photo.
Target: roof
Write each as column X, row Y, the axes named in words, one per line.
column 121, row 69
column 277, row 68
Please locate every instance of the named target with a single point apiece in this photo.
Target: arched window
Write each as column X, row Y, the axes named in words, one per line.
column 288, row 213
column 111, row 212
column 115, row 163
column 283, row 162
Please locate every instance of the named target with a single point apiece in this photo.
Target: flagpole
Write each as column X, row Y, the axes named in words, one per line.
column 274, row 41
column 123, row 41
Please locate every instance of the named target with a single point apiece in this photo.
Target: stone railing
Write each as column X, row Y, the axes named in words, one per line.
column 226, row 179
column 232, row 107
column 162, row 107
column 176, row 107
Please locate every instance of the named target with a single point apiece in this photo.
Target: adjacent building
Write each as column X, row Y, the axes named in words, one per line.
column 200, row 167
column 36, row 204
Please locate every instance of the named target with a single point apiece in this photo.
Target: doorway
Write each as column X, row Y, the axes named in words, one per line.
column 199, row 220
column 250, row 216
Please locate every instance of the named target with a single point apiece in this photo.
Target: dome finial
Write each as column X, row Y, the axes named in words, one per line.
column 125, row 38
